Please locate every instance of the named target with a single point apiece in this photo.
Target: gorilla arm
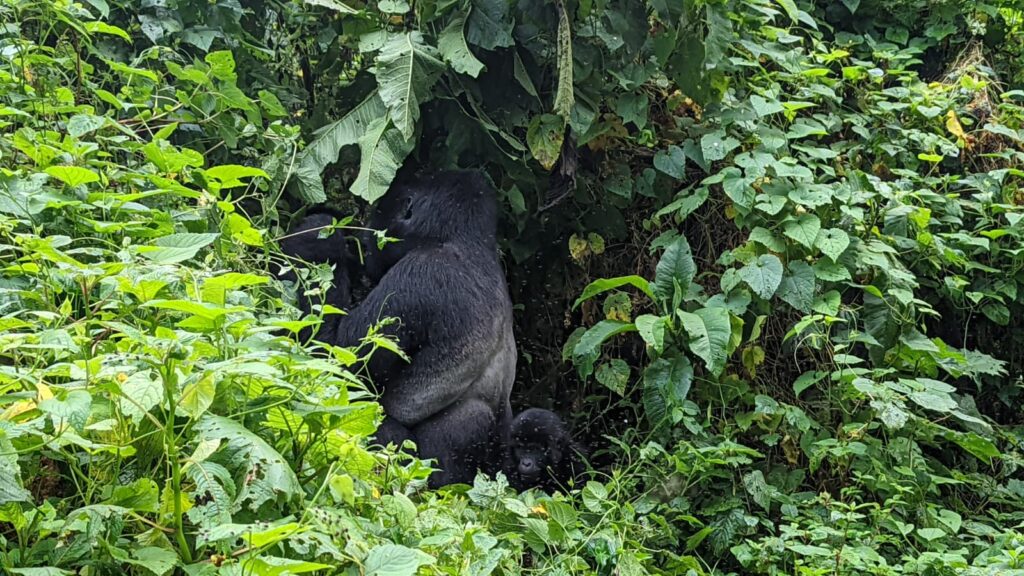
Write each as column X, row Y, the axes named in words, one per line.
column 432, row 330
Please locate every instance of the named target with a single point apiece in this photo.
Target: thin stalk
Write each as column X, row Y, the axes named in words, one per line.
column 170, row 380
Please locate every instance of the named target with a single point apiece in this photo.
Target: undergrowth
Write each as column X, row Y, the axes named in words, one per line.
column 779, row 247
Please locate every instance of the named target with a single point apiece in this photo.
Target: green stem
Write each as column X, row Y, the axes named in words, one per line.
column 170, row 379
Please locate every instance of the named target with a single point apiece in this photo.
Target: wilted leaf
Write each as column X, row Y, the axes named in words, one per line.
column 544, row 137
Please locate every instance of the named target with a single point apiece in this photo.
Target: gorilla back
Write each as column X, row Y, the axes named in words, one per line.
column 444, row 282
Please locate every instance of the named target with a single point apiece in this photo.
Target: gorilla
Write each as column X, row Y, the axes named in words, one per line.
column 541, row 452
column 304, row 243
column 444, row 283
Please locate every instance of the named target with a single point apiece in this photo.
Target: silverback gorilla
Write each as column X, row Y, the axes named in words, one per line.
column 541, row 452
column 444, row 282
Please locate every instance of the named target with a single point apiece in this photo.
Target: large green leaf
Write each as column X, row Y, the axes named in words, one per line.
column 329, row 141
column 490, row 24
column 797, row 287
column 406, row 71
column 675, row 267
column 832, row 242
column 73, row 175
column 215, row 290
column 11, row 489
column 667, row 383
column 652, row 329
column 452, row 45
column 395, row 560
column 804, row 229
column 671, row 161
column 763, row 275
column 596, row 335
column 383, row 148
column 709, row 330
column 605, row 284
column 140, row 392
column 247, row 455
column 175, row 248
column 73, row 410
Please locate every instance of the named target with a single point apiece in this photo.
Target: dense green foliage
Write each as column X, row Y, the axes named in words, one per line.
column 769, row 251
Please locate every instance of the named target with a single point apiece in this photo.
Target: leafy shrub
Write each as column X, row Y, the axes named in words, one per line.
column 788, row 244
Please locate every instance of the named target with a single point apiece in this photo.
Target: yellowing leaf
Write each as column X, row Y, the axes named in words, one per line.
column 955, row 128
column 578, row 248
column 17, row 408
column 43, row 391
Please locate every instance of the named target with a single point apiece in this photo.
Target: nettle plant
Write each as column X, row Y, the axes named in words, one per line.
column 152, row 398
column 156, row 414
column 862, row 200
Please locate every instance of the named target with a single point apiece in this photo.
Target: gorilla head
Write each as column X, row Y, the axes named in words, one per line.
column 541, row 451
column 443, row 208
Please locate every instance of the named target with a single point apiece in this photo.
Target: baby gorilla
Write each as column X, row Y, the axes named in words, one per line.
column 304, row 243
column 541, row 452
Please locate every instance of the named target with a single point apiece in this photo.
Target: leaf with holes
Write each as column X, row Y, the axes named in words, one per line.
column 804, row 229
column 797, row 287
column 544, row 137
column 269, row 476
column 763, row 275
column 832, row 242
column 328, row 142
column 614, row 375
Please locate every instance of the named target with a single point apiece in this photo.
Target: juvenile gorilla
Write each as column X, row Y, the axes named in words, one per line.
column 444, row 282
column 304, row 243
column 541, row 452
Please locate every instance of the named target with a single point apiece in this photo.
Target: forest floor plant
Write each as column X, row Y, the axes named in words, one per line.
column 791, row 261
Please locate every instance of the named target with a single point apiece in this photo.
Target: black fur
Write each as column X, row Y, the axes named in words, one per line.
column 541, row 452
column 304, row 244
column 444, row 282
